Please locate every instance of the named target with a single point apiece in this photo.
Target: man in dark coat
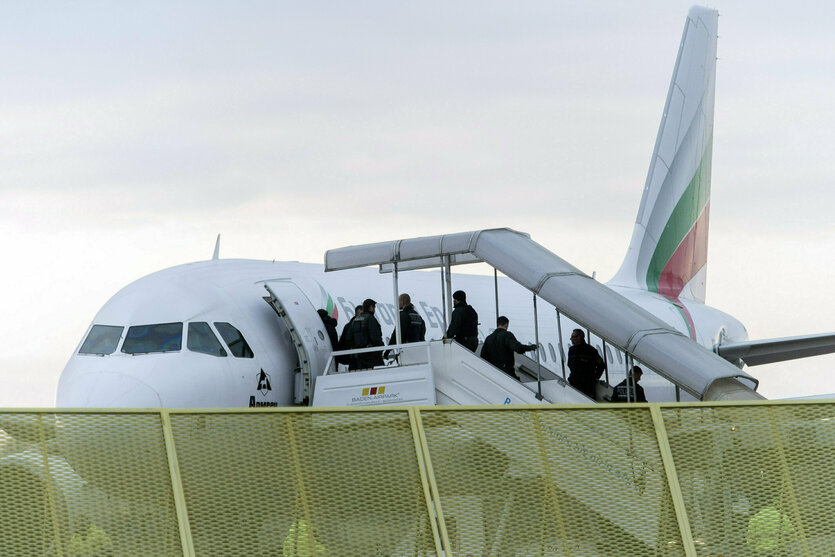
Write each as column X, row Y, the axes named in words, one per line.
column 463, row 324
column 365, row 331
column 500, row 345
column 330, row 327
column 585, row 364
column 345, row 341
column 624, row 391
column 412, row 327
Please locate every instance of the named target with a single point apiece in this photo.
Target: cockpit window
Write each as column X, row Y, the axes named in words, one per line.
column 144, row 339
column 202, row 339
column 234, row 340
column 102, row 340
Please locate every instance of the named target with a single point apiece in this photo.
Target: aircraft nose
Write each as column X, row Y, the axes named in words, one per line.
column 107, row 390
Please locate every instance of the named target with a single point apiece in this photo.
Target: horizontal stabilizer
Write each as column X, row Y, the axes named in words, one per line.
column 768, row 351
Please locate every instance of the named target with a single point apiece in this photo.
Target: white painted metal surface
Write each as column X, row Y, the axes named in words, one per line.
column 410, row 385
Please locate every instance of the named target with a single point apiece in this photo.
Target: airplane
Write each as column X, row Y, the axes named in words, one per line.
column 202, row 334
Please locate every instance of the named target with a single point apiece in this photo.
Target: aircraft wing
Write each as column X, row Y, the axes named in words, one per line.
column 757, row 352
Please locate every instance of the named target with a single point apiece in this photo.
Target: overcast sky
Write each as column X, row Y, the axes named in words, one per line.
column 133, row 134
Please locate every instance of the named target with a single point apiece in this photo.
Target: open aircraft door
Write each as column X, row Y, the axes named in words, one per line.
column 307, row 332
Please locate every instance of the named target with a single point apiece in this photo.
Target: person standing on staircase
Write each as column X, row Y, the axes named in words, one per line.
column 628, row 390
column 463, row 325
column 412, row 326
column 585, row 364
column 345, row 340
column 500, row 345
column 366, row 332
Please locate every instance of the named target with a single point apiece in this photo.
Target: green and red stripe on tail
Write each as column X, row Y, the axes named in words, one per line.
column 681, row 251
column 328, row 303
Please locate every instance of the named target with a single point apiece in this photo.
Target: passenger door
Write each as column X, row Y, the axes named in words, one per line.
column 306, row 330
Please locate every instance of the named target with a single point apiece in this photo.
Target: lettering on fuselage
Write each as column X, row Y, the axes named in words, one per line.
column 264, row 404
column 429, row 317
column 385, row 314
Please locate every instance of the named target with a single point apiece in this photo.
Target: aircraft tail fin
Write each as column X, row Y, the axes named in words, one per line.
column 668, row 250
column 216, row 254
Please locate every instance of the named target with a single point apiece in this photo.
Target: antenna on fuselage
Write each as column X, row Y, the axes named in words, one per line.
column 216, row 254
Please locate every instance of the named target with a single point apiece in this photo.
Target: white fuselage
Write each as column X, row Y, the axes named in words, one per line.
column 232, row 291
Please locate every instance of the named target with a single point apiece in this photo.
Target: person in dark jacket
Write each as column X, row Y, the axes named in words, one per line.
column 585, row 364
column 412, row 327
column 500, row 345
column 330, row 327
column 463, row 324
column 365, row 331
column 624, row 391
column 345, row 342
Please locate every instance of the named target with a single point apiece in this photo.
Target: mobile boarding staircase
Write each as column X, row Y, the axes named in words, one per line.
column 436, row 372
column 443, row 372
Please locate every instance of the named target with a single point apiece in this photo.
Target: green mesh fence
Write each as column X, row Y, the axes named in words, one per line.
column 757, row 479
column 86, row 484
column 747, row 480
column 551, row 482
column 303, row 483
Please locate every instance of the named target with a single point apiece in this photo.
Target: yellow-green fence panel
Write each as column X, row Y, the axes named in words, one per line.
column 86, row 484
column 302, row 483
column 757, row 479
column 741, row 479
column 553, row 481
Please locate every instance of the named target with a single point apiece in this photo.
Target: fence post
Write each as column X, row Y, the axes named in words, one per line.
column 422, row 453
column 177, row 486
column 433, row 484
column 672, row 481
column 50, row 489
